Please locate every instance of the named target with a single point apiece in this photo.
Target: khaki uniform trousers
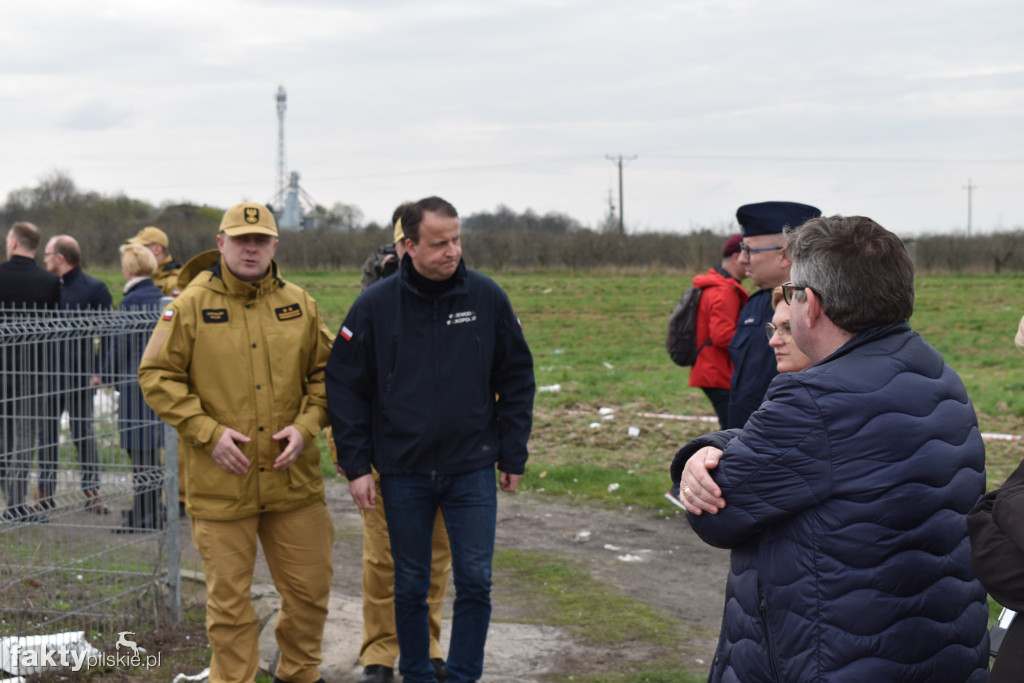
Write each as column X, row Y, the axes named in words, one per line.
column 297, row 545
column 380, row 644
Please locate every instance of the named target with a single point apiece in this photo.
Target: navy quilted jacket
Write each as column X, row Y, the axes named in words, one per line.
column 846, row 500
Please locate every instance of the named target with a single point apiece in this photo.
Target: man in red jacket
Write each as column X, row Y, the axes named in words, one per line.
column 720, row 306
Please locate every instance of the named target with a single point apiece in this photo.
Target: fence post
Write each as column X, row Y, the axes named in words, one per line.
column 173, row 518
column 173, row 521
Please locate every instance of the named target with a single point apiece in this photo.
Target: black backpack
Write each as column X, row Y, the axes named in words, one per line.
column 681, row 337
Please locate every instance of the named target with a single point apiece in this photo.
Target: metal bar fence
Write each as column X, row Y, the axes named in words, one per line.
column 87, row 542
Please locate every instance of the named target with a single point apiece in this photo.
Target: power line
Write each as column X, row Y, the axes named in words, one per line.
column 851, row 160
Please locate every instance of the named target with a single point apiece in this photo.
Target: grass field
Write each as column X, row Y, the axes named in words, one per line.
column 599, row 338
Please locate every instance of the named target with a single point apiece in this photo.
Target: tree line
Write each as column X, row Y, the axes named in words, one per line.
column 502, row 239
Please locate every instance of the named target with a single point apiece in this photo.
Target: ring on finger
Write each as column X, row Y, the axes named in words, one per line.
column 686, row 489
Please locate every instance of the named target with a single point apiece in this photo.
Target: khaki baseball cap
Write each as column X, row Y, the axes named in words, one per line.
column 150, row 235
column 248, row 218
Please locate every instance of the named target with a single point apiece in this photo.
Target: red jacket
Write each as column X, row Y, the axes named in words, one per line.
column 720, row 306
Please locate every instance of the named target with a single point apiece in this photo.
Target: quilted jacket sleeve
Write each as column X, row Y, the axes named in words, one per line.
column 777, row 466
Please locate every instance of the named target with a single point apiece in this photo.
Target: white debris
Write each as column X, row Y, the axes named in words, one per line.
column 633, row 431
column 613, row 548
column 608, row 365
column 606, row 411
column 613, row 487
column 581, row 537
column 201, row 676
column 630, row 558
column 550, row 387
column 30, row 654
column 595, row 425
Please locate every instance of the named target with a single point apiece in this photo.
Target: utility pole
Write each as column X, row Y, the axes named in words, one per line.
column 970, row 187
column 618, row 160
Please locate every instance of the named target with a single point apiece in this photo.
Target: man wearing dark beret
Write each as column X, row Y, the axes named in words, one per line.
column 767, row 265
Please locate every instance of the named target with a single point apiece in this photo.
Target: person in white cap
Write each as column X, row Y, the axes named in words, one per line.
column 236, row 364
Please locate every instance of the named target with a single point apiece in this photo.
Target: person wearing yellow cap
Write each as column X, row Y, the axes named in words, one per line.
column 379, row 650
column 166, row 275
column 236, row 364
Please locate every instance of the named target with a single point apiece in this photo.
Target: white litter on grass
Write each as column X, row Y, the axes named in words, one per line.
column 550, row 387
column 613, row 548
column 613, row 487
column 633, row 431
column 595, row 425
column 606, row 411
column 608, row 365
column 29, row 654
column 184, row 678
column 630, row 558
column 581, row 537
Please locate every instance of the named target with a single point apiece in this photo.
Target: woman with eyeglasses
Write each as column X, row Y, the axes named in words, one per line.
column 788, row 357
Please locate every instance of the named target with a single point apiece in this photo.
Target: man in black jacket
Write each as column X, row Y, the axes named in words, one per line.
column 76, row 364
column 430, row 380
column 23, row 284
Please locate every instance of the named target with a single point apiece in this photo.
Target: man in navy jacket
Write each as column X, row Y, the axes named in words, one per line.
column 76, row 364
column 430, row 379
column 844, row 497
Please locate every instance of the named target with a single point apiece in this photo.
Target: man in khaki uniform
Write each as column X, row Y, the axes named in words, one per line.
column 166, row 275
column 236, row 364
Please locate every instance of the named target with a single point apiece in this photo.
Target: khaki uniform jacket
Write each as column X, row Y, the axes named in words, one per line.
column 166, row 276
column 227, row 353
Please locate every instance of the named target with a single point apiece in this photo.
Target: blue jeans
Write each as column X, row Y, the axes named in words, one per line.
column 470, row 506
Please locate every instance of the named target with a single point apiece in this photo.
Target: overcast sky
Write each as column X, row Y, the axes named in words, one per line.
column 878, row 107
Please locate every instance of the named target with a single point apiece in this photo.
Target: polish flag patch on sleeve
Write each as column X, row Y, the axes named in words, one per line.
column 345, row 333
column 168, row 314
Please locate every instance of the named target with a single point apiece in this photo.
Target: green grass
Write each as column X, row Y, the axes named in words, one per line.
column 599, row 336
column 554, row 592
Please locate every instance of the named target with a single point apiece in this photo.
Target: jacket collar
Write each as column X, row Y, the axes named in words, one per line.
column 458, row 280
column 866, row 337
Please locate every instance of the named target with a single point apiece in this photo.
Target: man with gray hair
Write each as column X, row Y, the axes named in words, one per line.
column 844, row 496
column 74, row 365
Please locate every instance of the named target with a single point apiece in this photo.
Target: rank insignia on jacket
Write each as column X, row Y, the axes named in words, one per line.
column 289, row 312
column 215, row 315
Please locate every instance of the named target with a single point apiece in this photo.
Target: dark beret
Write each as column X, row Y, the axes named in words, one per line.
column 771, row 218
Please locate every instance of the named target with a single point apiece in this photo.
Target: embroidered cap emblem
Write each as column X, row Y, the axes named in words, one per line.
column 252, row 215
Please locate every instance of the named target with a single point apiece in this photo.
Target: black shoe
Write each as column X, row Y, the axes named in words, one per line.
column 440, row 670
column 377, row 673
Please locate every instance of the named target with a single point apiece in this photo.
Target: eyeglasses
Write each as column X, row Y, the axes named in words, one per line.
column 784, row 331
column 748, row 251
column 788, row 289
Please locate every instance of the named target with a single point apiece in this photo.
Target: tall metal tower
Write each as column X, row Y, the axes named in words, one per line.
column 282, row 104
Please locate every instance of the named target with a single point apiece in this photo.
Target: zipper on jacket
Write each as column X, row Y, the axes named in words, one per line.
column 768, row 636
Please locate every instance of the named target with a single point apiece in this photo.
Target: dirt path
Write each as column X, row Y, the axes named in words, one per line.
column 655, row 560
